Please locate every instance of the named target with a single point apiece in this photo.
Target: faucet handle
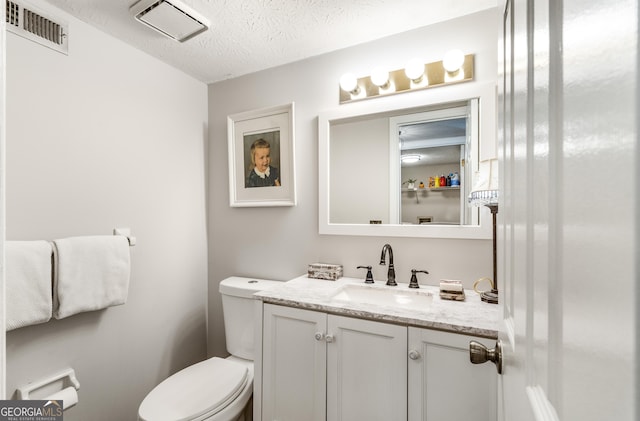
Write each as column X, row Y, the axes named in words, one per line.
column 414, row 279
column 369, row 279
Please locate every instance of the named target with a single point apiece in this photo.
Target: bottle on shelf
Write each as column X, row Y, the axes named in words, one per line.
column 455, row 179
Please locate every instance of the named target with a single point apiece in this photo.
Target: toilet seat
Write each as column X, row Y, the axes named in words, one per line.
column 196, row 392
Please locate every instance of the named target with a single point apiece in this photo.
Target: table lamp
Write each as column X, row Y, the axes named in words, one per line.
column 485, row 193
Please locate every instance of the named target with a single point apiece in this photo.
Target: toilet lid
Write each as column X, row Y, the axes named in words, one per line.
column 203, row 388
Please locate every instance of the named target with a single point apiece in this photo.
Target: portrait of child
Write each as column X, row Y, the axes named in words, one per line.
column 262, row 159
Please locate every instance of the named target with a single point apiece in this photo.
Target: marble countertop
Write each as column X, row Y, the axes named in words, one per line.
column 471, row 317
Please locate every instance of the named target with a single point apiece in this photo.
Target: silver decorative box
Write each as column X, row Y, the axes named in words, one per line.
column 325, row 271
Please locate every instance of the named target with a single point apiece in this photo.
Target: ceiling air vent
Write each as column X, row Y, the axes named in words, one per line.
column 26, row 21
column 171, row 18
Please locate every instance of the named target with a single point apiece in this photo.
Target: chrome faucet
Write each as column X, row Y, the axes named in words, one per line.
column 391, row 273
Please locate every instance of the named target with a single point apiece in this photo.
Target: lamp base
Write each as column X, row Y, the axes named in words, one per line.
column 490, row 297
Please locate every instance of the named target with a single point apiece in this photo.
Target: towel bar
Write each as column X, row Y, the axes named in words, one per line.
column 127, row 233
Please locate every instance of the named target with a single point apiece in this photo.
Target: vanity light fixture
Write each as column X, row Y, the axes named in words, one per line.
column 417, row 75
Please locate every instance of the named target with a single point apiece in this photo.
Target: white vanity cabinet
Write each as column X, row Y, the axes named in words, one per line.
column 327, row 367
column 443, row 384
column 366, row 370
column 318, row 366
column 293, row 364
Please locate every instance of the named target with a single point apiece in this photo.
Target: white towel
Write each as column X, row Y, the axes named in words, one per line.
column 28, row 282
column 90, row 273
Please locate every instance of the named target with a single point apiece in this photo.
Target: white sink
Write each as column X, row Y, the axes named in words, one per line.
column 386, row 296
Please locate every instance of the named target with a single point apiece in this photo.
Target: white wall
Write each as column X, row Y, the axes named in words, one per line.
column 109, row 137
column 278, row 243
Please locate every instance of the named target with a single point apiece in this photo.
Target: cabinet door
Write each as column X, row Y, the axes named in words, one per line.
column 443, row 384
column 366, row 370
column 294, row 364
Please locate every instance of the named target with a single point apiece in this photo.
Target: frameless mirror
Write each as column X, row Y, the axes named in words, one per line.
column 405, row 166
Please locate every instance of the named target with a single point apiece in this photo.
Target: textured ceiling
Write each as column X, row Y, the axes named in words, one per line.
column 251, row 35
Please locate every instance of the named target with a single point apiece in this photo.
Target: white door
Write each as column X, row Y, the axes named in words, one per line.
column 568, row 233
column 513, row 214
column 366, row 370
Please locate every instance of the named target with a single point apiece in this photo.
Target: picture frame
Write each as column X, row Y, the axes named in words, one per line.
column 261, row 157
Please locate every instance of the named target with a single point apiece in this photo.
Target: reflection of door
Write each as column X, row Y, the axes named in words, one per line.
column 568, row 236
column 430, row 145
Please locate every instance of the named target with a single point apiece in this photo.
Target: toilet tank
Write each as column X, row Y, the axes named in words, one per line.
column 238, row 309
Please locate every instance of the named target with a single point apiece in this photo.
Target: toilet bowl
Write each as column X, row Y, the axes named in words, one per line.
column 216, row 389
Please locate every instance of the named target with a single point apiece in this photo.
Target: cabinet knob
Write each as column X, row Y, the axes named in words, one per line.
column 319, row 336
column 414, row 355
column 479, row 354
column 329, row 338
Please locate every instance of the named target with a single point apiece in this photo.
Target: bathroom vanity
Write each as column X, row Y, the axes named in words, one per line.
column 343, row 350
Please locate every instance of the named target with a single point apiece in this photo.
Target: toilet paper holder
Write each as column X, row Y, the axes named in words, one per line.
column 62, row 385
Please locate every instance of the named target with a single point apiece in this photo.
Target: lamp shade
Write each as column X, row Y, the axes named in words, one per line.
column 485, row 186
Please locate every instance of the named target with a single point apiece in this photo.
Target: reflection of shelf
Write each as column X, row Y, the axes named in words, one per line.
column 424, row 189
column 435, row 189
column 415, row 189
column 444, row 188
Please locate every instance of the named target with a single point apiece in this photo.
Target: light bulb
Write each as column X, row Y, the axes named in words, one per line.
column 414, row 69
column 453, row 60
column 349, row 83
column 379, row 76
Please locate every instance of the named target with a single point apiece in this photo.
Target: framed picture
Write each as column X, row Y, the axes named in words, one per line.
column 261, row 157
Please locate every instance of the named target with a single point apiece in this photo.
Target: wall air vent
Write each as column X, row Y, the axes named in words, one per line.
column 24, row 20
column 171, row 18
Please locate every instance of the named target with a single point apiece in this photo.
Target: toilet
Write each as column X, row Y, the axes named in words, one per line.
column 217, row 389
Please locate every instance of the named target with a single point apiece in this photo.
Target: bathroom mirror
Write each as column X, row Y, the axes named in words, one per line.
column 364, row 173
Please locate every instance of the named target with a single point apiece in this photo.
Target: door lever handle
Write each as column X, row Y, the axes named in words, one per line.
column 480, row 354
